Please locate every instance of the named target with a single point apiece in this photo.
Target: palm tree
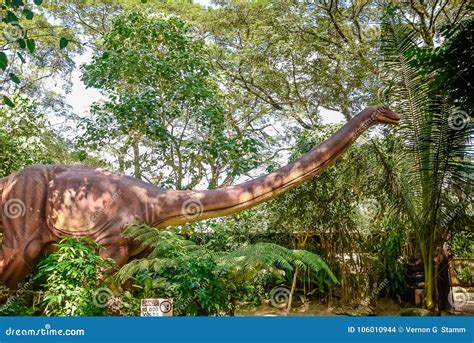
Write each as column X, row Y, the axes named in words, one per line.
column 432, row 175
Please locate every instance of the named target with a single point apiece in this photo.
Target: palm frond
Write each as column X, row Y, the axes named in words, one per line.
column 439, row 153
column 310, row 261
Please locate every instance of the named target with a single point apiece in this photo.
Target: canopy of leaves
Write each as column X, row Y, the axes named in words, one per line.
column 163, row 97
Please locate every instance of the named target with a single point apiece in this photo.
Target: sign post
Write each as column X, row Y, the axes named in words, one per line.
column 157, row 307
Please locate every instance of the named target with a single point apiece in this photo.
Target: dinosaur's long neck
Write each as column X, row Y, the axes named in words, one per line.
column 188, row 206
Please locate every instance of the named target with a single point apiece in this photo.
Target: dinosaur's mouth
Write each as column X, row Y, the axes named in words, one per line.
column 389, row 116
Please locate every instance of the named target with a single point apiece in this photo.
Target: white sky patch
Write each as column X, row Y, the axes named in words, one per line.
column 80, row 97
column 203, row 2
column 331, row 117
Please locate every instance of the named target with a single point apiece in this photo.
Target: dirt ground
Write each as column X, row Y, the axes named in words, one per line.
column 385, row 307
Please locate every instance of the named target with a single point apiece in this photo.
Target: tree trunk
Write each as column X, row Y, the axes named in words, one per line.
column 121, row 158
column 292, row 291
column 137, row 169
column 430, row 278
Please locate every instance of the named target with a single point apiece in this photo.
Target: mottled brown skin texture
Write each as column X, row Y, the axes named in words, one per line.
column 42, row 203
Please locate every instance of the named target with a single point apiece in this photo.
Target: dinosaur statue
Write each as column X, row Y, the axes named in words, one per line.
column 44, row 202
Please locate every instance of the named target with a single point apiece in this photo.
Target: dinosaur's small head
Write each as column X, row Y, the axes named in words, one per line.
column 385, row 115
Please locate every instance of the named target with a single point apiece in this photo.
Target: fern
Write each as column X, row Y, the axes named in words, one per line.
column 168, row 248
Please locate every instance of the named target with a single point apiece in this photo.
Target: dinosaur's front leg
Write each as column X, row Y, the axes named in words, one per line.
column 14, row 268
column 115, row 248
column 18, row 261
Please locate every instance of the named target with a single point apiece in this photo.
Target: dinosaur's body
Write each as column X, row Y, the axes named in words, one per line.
column 42, row 203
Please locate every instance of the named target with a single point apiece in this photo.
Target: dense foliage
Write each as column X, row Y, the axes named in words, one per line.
column 162, row 100
column 72, row 276
column 203, row 97
column 209, row 282
column 434, row 177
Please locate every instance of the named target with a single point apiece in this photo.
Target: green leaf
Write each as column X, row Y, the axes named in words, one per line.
column 14, row 78
column 28, row 13
column 17, row 3
column 21, row 57
column 63, row 42
column 8, row 102
column 3, row 60
column 30, row 43
column 38, row 2
column 11, row 17
column 21, row 42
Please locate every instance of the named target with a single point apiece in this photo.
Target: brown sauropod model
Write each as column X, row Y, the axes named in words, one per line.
column 39, row 204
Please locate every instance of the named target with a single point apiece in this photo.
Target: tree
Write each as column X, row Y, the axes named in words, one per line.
column 294, row 56
column 31, row 48
column 427, row 18
column 434, row 175
column 163, row 104
column 26, row 138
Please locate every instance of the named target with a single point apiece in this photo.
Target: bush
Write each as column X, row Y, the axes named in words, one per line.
column 461, row 244
column 181, row 270
column 20, row 303
column 72, row 277
column 205, row 282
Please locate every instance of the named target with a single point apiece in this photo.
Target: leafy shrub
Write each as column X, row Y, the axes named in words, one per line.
column 72, row 275
column 20, row 304
column 462, row 244
column 205, row 282
column 179, row 269
column 391, row 269
column 464, row 274
column 124, row 305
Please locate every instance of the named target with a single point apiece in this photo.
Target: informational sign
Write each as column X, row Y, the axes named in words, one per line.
column 157, row 307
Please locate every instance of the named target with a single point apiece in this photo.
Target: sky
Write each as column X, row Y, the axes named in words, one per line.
column 203, row 2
